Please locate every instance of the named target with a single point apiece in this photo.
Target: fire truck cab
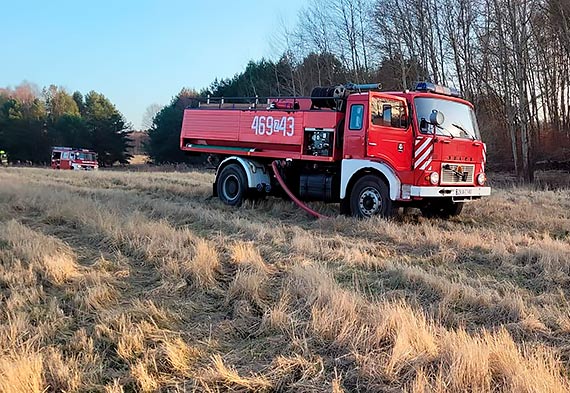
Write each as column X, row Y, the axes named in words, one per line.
column 73, row 158
column 372, row 151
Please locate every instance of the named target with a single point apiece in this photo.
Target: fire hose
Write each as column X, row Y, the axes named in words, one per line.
column 291, row 195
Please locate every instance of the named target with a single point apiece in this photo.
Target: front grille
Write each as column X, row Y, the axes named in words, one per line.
column 457, row 173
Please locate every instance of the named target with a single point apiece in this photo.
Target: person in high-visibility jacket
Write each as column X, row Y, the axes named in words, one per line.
column 3, row 158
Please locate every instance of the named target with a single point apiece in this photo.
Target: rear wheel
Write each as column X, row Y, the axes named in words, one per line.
column 232, row 185
column 369, row 197
column 444, row 208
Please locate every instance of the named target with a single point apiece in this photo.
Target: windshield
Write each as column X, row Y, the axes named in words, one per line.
column 459, row 122
column 85, row 156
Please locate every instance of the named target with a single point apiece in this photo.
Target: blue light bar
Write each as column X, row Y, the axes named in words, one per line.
column 437, row 89
column 425, row 86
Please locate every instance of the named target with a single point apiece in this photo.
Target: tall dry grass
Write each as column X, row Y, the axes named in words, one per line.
column 118, row 281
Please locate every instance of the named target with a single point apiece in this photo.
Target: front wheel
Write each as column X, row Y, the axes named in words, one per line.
column 232, row 185
column 369, row 197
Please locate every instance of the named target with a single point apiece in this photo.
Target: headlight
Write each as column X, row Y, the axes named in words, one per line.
column 481, row 179
column 434, row 178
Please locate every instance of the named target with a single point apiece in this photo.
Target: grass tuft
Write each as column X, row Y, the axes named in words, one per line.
column 221, row 376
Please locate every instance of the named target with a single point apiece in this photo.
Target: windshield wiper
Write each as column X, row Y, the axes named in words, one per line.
column 424, row 124
column 463, row 129
column 448, row 132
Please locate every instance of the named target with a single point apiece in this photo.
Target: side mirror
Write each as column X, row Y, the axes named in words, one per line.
column 436, row 118
column 424, row 126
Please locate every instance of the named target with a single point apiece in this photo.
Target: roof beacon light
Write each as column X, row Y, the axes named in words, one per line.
column 366, row 86
column 437, row 89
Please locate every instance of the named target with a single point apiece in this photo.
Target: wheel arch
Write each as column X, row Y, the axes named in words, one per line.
column 256, row 173
column 352, row 170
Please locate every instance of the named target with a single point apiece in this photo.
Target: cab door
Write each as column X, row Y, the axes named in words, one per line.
column 389, row 134
column 65, row 163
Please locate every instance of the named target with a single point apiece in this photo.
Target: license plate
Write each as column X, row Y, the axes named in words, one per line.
column 463, row 191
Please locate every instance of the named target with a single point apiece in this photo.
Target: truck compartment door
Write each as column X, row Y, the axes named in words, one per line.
column 389, row 136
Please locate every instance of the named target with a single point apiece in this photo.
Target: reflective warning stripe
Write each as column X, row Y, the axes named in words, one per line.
column 484, row 157
column 422, row 155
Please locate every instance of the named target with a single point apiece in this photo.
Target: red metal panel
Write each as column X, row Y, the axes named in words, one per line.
column 459, row 150
column 263, row 153
column 272, row 133
column 221, row 125
column 322, row 119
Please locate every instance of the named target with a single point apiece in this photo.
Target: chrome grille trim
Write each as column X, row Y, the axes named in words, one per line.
column 448, row 176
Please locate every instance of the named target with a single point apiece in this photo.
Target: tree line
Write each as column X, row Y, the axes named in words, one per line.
column 511, row 58
column 33, row 121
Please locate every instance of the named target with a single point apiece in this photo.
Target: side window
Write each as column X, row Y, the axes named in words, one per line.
column 387, row 113
column 65, row 155
column 356, row 117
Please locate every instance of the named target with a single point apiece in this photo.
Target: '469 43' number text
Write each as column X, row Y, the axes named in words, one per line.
column 268, row 125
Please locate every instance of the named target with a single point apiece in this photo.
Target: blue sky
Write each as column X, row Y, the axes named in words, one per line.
column 136, row 52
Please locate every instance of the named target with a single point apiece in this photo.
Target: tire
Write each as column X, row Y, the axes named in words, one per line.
column 369, row 197
column 445, row 208
column 231, row 185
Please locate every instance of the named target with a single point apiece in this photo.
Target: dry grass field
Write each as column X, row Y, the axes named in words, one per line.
column 121, row 282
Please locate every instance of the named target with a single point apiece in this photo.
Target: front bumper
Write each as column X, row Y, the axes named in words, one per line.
column 84, row 168
column 455, row 192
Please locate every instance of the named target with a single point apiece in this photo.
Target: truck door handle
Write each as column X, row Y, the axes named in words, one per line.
column 445, row 141
column 372, row 143
column 477, row 144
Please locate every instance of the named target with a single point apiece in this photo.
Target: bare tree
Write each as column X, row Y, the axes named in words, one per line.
column 510, row 57
column 148, row 116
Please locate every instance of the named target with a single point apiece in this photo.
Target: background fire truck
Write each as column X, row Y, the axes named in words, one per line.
column 73, row 158
column 371, row 151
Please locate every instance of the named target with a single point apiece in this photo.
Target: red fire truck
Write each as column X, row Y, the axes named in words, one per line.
column 372, row 151
column 73, row 158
